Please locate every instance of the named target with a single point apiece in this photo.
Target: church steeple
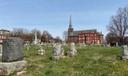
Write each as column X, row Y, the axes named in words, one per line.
column 70, row 29
column 70, row 22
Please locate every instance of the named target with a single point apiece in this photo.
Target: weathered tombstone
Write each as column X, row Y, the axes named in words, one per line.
column 41, row 51
column 12, row 50
column 72, row 52
column 27, row 45
column 1, row 49
column 62, row 53
column 58, row 52
column 125, row 52
column 117, row 44
column 12, row 57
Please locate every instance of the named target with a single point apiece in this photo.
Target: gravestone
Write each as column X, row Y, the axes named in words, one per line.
column 1, row 49
column 41, row 51
column 27, row 45
column 12, row 57
column 72, row 52
column 58, row 52
column 125, row 52
column 117, row 45
column 12, row 50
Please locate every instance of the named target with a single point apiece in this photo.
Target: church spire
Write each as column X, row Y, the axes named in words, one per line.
column 70, row 22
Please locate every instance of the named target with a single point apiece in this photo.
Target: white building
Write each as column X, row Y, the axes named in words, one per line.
column 4, row 34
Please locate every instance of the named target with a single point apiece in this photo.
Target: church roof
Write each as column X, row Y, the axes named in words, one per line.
column 76, row 33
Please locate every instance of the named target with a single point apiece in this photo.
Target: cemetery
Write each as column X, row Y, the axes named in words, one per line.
column 89, row 61
column 35, row 55
column 45, row 56
column 35, row 39
column 61, row 59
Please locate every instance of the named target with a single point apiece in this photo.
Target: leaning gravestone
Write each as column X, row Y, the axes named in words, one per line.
column 72, row 52
column 58, row 52
column 12, row 57
column 125, row 52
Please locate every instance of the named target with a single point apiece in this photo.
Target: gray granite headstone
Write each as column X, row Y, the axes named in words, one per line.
column 12, row 50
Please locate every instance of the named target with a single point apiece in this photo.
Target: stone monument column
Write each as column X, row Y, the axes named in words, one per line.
column 35, row 40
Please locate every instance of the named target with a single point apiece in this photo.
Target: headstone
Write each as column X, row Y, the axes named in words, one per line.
column 125, row 52
column 1, row 49
column 12, row 50
column 72, row 52
column 58, row 52
column 117, row 44
column 27, row 45
column 41, row 51
column 12, row 58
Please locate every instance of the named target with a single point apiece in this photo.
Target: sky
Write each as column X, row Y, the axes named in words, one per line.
column 53, row 15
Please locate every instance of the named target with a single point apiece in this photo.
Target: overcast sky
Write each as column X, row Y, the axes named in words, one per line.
column 52, row 15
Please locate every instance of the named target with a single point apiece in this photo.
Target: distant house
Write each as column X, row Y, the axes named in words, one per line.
column 84, row 36
column 4, row 34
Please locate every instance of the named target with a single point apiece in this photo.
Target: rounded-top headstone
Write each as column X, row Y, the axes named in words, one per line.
column 12, row 50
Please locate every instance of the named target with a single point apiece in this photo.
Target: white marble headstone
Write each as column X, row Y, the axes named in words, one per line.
column 125, row 52
column 41, row 51
column 58, row 51
column 72, row 51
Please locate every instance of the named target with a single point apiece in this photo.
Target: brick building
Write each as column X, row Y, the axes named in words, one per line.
column 84, row 36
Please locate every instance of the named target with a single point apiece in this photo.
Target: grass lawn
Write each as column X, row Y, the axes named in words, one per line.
column 90, row 61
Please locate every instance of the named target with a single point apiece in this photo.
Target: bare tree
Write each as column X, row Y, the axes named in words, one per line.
column 46, row 36
column 19, row 31
column 111, row 38
column 58, row 39
column 119, row 24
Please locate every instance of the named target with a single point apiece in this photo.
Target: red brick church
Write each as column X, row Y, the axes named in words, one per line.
column 84, row 36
